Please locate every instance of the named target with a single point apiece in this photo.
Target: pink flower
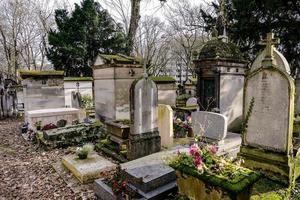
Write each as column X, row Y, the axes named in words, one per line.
column 212, row 149
column 193, row 149
column 197, row 161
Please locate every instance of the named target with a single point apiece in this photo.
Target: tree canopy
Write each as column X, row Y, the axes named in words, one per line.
column 81, row 35
column 248, row 21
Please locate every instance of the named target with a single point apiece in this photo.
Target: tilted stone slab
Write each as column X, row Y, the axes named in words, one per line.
column 209, row 124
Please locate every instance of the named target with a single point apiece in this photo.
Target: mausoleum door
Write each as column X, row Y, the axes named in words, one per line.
column 209, row 99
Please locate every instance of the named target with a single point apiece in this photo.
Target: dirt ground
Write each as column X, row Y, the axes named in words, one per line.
column 27, row 173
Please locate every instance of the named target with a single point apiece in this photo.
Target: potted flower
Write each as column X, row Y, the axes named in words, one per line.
column 83, row 152
column 201, row 174
column 38, row 125
column 180, row 128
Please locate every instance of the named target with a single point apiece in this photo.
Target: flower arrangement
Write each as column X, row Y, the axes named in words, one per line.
column 83, row 152
column 119, row 185
column 202, row 160
column 38, row 125
column 202, row 163
column 49, row 126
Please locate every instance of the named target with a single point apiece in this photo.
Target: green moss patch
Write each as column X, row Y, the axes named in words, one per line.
column 110, row 150
column 163, row 79
column 266, row 189
column 36, row 73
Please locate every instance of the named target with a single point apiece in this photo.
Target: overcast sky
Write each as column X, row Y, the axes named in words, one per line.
column 150, row 7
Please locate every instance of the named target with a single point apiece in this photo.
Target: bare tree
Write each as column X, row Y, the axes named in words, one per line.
column 186, row 28
column 152, row 45
column 24, row 25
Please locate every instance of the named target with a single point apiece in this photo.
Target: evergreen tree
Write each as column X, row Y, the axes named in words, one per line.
column 248, row 21
column 81, row 35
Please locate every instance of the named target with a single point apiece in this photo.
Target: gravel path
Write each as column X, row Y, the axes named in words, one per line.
column 26, row 173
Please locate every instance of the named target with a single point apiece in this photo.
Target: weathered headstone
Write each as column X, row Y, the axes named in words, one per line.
column 144, row 138
column 270, row 123
column 165, row 125
column 273, row 92
column 192, row 102
column 210, row 125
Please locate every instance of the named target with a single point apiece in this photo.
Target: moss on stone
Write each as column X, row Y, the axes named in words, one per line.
column 163, row 79
column 118, row 58
column 236, row 184
column 217, row 49
column 266, row 189
column 78, row 78
column 36, row 73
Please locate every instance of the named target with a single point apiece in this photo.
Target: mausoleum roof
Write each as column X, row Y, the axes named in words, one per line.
column 220, row 50
column 37, row 73
column 122, row 59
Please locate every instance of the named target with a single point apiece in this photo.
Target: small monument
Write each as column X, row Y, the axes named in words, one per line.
column 144, row 137
column 267, row 142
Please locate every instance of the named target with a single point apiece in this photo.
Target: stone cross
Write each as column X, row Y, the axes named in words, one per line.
column 270, row 41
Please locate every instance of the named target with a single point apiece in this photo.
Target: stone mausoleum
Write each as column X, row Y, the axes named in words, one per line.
column 113, row 76
column 220, row 67
column 42, row 89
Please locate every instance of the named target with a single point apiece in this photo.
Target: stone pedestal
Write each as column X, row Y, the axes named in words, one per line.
column 143, row 144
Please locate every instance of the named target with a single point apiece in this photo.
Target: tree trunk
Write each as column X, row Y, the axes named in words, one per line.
column 134, row 21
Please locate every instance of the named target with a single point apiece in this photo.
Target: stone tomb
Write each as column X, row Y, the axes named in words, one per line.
column 267, row 142
column 213, row 127
column 52, row 115
column 89, row 169
column 113, row 76
column 144, row 137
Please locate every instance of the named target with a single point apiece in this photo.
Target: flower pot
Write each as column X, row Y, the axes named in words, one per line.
column 180, row 133
column 82, row 156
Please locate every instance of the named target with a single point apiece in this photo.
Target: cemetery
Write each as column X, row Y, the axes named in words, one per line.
column 112, row 124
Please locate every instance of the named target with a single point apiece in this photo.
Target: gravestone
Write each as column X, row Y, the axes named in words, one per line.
column 213, row 127
column 210, row 125
column 192, row 102
column 144, row 137
column 76, row 99
column 270, row 123
column 165, row 125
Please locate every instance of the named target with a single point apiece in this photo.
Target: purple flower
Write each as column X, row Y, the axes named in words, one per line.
column 193, row 149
